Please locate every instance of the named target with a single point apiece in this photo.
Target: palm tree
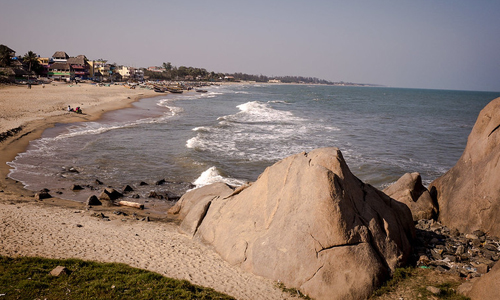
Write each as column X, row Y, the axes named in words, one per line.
column 31, row 59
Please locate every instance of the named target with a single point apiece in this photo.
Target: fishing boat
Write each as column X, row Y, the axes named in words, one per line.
column 175, row 89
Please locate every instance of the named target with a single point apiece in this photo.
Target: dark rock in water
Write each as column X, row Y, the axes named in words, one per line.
column 45, row 190
column 160, row 182
column 97, row 181
column 468, row 194
column 42, row 195
column 136, row 196
column 110, row 194
column 171, row 196
column 155, row 195
column 93, row 200
column 143, row 183
column 409, row 190
column 76, row 187
column 308, row 222
column 128, row 188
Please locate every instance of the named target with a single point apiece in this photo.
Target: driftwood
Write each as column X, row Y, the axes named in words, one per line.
column 131, row 204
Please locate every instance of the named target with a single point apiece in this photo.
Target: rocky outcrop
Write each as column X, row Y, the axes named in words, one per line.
column 486, row 288
column 410, row 190
column 483, row 288
column 307, row 222
column 468, row 195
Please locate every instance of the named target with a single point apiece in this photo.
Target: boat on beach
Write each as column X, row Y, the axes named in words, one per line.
column 175, row 89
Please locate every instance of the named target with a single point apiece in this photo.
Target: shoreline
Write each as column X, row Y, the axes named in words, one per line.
column 34, row 120
column 58, row 228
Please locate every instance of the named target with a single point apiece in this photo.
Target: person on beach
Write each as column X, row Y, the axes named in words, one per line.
column 69, row 108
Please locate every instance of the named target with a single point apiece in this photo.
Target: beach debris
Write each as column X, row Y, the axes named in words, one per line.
column 73, row 170
column 93, row 200
column 136, row 196
column 100, row 216
column 128, row 188
column 449, row 251
column 110, row 194
column 79, row 225
column 131, row 204
column 59, row 270
column 42, row 195
column 145, row 219
column 118, row 213
column 97, row 181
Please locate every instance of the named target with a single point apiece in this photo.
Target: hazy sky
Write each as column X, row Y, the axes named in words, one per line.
column 442, row 44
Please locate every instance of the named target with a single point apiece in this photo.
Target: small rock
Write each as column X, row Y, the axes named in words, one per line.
column 143, row 183
column 160, row 182
column 92, row 200
column 482, row 269
column 42, row 195
column 471, row 236
column 97, row 181
column 59, row 270
column 110, row 194
column 434, row 290
column 76, row 187
column 128, row 188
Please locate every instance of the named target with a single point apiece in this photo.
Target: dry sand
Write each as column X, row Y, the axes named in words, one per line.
column 57, row 228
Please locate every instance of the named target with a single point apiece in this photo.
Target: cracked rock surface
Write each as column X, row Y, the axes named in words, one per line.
column 307, row 222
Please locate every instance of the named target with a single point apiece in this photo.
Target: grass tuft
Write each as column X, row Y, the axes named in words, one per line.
column 292, row 291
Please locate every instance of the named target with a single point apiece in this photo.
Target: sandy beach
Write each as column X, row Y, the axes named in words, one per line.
column 57, row 228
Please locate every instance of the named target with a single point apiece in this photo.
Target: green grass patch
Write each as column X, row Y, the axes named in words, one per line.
column 400, row 274
column 292, row 291
column 29, row 278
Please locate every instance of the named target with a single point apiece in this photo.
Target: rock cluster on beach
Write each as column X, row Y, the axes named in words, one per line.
column 307, row 222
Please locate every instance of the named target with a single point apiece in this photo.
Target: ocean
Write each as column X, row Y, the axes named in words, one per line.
column 233, row 132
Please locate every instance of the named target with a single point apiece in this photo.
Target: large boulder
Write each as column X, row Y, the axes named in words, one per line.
column 468, row 194
column 410, row 190
column 307, row 222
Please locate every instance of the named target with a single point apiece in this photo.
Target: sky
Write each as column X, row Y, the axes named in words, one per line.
column 436, row 44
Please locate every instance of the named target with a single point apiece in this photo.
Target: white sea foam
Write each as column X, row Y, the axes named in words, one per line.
column 212, row 175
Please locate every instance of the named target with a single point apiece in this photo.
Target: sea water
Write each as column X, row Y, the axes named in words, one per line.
column 233, row 132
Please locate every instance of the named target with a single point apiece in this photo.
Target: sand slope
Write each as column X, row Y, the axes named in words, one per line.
column 31, row 229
